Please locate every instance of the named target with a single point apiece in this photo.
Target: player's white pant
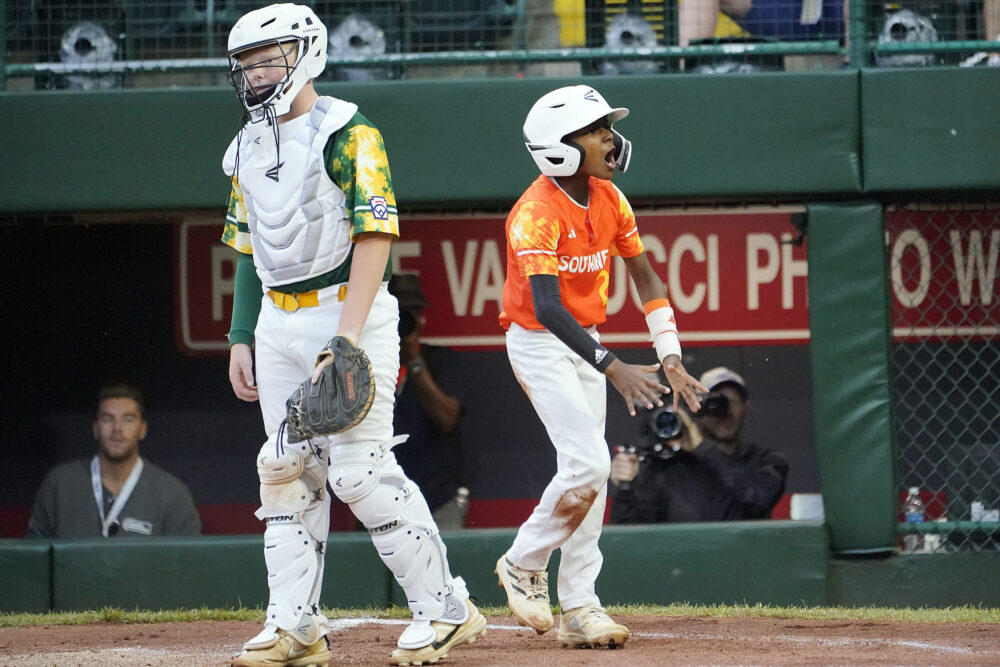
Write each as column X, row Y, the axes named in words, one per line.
column 361, row 467
column 570, row 399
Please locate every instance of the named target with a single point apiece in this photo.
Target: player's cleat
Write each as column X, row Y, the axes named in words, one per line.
column 285, row 651
column 447, row 637
column 590, row 627
column 527, row 594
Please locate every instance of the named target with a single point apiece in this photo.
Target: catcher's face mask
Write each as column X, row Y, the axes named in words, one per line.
column 261, row 74
column 298, row 34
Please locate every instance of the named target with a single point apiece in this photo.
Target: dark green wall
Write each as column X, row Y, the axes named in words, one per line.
column 458, row 142
column 849, row 347
column 931, row 129
column 766, row 562
column 770, row 562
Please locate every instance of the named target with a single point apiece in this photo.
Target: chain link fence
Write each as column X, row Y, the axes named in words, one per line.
column 945, row 304
column 52, row 44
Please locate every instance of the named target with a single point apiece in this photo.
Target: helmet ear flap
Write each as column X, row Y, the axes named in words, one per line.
column 576, row 160
column 623, row 150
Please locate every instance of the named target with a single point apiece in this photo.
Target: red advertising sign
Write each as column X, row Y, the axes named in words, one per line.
column 733, row 278
column 204, row 297
column 943, row 273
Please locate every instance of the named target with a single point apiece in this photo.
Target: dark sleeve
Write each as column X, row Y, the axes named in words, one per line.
column 181, row 517
column 551, row 314
column 42, row 522
column 246, row 301
column 756, row 480
column 640, row 501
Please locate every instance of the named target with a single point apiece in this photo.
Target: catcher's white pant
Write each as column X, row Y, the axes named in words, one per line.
column 287, row 344
column 569, row 396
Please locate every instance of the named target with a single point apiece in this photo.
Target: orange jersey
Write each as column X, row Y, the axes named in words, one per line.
column 548, row 233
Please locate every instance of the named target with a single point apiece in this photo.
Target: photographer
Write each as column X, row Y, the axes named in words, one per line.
column 686, row 468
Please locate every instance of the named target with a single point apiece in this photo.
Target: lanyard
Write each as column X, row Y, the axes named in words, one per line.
column 116, row 508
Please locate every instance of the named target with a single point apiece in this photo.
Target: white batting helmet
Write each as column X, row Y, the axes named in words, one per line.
column 562, row 112
column 277, row 25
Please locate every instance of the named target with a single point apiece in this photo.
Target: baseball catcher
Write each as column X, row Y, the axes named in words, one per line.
column 338, row 400
column 313, row 216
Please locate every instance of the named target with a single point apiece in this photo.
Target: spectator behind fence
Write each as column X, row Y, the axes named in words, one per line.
column 116, row 493
column 427, row 410
column 772, row 19
column 704, row 473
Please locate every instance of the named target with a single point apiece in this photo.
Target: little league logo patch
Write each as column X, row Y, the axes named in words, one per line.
column 380, row 207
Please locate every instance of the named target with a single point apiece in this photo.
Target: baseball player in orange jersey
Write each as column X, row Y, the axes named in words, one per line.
column 561, row 235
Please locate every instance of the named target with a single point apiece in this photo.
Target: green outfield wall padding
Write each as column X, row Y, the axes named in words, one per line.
column 771, row 562
column 452, row 142
column 766, row 562
column 355, row 575
column 920, row 580
column 26, row 576
column 849, row 349
column 932, row 129
column 168, row 573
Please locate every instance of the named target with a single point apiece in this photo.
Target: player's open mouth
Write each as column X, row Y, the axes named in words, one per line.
column 258, row 95
column 609, row 158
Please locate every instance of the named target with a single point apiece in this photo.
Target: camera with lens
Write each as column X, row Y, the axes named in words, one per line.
column 662, row 424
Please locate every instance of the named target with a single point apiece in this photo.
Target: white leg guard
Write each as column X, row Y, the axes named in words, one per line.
column 391, row 507
column 297, row 511
column 294, row 576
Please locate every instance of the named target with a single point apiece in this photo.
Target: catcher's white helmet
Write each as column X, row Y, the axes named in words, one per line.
column 562, row 112
column 302, row 38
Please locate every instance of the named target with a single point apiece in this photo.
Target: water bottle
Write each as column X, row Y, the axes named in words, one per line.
column 913, row 512
column 462, row 500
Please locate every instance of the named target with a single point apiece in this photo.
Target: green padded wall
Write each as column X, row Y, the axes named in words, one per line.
column 766, row 562
column 771, row 562
column 933, row 129
column 26, row 576
column 922, row 580
column 168, row 573
column 454, row 142
column 849, row 349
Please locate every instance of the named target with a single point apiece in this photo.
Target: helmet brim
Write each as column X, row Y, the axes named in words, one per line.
column 617, row 114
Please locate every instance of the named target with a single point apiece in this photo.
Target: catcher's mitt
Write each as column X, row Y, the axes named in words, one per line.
column 340, row 399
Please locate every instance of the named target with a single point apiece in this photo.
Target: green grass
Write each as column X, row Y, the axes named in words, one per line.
column 111, row 615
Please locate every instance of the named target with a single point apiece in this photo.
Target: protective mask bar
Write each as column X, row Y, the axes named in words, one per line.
column 255, row 98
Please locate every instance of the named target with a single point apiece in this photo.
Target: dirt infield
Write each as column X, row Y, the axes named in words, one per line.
column 655, row 641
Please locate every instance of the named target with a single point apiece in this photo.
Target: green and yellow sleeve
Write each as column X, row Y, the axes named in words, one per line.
column 356, row 161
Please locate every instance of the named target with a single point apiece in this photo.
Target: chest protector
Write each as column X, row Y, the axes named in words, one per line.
column 297, row 217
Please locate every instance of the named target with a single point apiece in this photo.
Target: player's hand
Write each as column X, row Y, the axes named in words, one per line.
column 321, row 363
column 683, row 385
column 624, row 468
column 636, row 383
column 241, row 372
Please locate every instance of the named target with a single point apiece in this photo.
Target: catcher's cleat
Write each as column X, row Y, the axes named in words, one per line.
column 527, row 594
column 447, row 636
column 285, row 651
column 590, row 627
